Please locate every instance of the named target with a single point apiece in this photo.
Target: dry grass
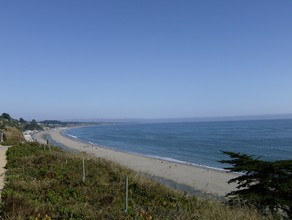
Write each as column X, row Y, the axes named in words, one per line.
column 12, row 136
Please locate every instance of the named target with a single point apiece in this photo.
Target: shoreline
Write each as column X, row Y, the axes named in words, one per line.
column 167, row 159
column 202, row 179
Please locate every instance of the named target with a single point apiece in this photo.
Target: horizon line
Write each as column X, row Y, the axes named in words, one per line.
column 204, row 118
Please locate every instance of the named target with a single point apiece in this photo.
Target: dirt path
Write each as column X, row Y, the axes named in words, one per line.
column 3, row 161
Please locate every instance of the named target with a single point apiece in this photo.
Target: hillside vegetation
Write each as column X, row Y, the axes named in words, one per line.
column 47, row 184
column 7, row 121
column 12, row 135
column 12, row 128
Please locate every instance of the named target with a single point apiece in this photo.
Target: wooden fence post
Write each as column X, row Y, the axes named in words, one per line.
column 127, row 184
column 83, row 170
column 49, row 145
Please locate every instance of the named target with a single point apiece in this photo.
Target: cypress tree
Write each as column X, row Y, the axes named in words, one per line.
column 262, row 184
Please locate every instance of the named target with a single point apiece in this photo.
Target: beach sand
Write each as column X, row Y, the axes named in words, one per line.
column 201, row 179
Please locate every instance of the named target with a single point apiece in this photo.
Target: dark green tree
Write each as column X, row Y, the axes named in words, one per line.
column 21, row 120
column 33, row 125
column 263, row 184
column 6, row 116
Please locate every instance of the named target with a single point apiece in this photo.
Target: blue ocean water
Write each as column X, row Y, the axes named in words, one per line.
column 198, row 143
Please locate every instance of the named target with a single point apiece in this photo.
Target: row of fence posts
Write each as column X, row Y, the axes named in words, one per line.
column 83, row 179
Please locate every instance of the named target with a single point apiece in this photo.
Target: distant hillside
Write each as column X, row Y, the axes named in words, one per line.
column 57, row 123
column 7, row 121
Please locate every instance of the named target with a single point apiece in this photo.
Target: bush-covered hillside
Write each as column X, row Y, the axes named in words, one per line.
column 44, row 184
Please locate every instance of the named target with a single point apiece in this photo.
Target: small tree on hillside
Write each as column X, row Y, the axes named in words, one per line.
column 6, row 116
column 21, row 120
column 33, row 125
column 263, row 184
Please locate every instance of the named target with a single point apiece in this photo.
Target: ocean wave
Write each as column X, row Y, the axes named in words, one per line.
column 169, row 159
column 71, row 136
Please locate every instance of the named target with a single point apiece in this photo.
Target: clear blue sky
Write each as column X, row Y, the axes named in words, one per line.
column 67, row 59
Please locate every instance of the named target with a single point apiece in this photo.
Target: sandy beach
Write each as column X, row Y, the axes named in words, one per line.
column 205, row 180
